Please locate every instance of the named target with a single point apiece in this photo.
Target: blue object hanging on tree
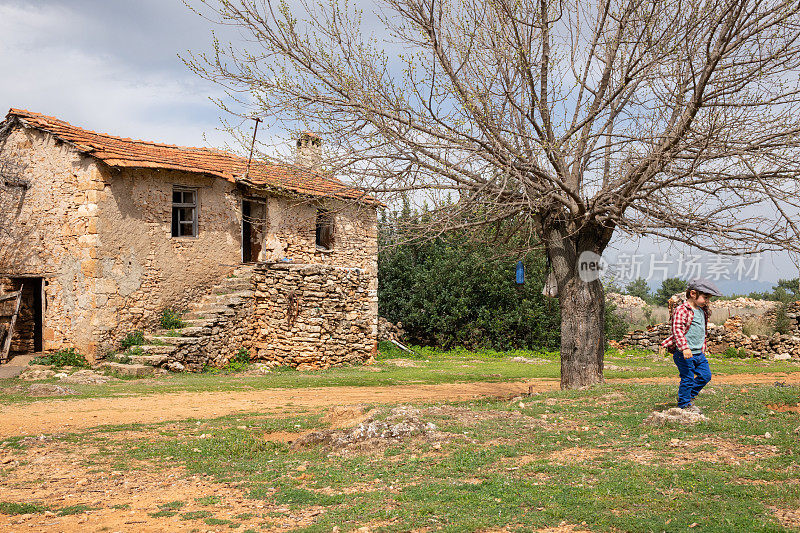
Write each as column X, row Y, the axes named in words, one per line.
column 520, row 273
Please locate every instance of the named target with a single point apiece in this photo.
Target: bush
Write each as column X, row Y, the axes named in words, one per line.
column 782, row 323
column 733, row 353
column 68, row 357
column 615, row 325
column 452, row 292
column 239, row 361
column 135, row 338
column 171, row 319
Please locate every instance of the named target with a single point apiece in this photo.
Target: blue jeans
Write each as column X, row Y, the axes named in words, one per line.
column 695, row 373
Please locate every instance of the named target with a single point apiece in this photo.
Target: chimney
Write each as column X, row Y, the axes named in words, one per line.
column 309, row 150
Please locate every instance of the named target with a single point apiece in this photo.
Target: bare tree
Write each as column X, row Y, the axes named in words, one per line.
column 675, row 119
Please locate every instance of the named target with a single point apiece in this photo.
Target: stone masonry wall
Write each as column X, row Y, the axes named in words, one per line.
column 142, row 268
column 50, row 231
column 314, row 316
column 780, row 346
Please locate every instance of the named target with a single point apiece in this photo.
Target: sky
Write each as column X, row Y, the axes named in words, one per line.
column 113, row 66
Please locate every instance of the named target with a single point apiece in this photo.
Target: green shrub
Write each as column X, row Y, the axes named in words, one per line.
column 734, row 353
column 459, row 289
column 782, row 323
column 68, row 357
column 171, row 319
column 135, row 338
column 615, row 325
column 239, row 361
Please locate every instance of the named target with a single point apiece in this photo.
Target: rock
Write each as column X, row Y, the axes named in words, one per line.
column 85, row 377
column 128, row 370
column 782, row 357
column 49, row 389
column 175, row 366
column 674, row 415
column 33, row 374
column 402, row 422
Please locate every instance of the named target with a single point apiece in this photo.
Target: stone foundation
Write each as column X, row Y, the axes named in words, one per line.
column 314, row 316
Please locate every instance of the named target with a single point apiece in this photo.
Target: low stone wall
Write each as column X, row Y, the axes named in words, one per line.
column 730, row 334
column 314, row 316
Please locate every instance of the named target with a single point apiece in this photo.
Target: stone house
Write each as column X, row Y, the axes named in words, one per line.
column 103, row 233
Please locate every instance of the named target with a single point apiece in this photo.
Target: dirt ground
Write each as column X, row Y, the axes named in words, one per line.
column 64, row 415
column 55, row 472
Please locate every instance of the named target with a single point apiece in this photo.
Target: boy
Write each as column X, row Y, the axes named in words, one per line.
column 688, row 341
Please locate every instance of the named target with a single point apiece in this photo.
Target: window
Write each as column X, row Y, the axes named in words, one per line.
column 184, row 212
column 324, row 229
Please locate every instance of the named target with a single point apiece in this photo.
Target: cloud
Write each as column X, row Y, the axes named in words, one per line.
column 53, row 68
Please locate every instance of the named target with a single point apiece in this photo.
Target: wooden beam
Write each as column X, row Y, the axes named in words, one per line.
column 10, row 333
column 9, row 296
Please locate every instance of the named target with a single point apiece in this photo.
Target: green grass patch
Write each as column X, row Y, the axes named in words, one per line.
column 428, row 366
column 75, row 509
column 195, row 515
column 209, row 500
column 579, row 456
column 12, row 508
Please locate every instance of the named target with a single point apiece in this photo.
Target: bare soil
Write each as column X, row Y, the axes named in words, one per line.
column 65, row 415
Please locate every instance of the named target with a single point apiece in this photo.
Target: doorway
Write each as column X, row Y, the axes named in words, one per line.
column 254, row 228
column 28, row 324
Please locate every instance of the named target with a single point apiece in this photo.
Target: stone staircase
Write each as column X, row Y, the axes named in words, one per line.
column 210, row 325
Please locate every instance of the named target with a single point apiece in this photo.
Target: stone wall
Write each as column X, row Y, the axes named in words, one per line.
column 720, row 338
column 49, row 231
column 314, row 316
column 142, row 269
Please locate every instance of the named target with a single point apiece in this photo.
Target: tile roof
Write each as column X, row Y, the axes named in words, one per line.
column 122, row 152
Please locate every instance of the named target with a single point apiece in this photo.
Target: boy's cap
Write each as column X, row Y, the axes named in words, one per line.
column 704, row 286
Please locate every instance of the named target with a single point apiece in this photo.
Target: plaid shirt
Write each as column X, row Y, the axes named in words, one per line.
column 681, row 320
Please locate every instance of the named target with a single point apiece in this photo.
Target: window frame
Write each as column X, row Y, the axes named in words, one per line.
column 177, row 223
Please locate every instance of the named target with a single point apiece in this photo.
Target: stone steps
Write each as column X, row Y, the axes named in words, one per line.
column 179, row 348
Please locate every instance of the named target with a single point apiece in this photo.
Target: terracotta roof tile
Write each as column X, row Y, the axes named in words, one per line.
column 125, row 152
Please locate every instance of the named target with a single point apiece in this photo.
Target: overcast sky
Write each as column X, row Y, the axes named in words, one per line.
column 113, row 66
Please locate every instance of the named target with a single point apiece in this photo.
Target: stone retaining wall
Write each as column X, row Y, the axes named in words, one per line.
column 780, row 346
column 314, row 316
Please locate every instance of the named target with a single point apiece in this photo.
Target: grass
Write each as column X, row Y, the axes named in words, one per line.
column 578, row 456
column 433, row 366
column 583, row 457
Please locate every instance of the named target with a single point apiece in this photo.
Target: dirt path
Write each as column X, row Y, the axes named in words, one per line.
column 55, row 416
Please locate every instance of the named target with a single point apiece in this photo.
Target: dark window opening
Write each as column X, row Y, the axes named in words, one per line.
column 324, row 229
column 184, row 212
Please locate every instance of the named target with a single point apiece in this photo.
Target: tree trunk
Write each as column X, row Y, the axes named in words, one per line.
column 582, row 305
column 582, row 333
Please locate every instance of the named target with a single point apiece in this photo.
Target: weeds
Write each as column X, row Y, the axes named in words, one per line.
column 68, row 357
column 733, row 353
column 757, row 325
column 239, row 362
column 135, row 338
column 171, row 319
